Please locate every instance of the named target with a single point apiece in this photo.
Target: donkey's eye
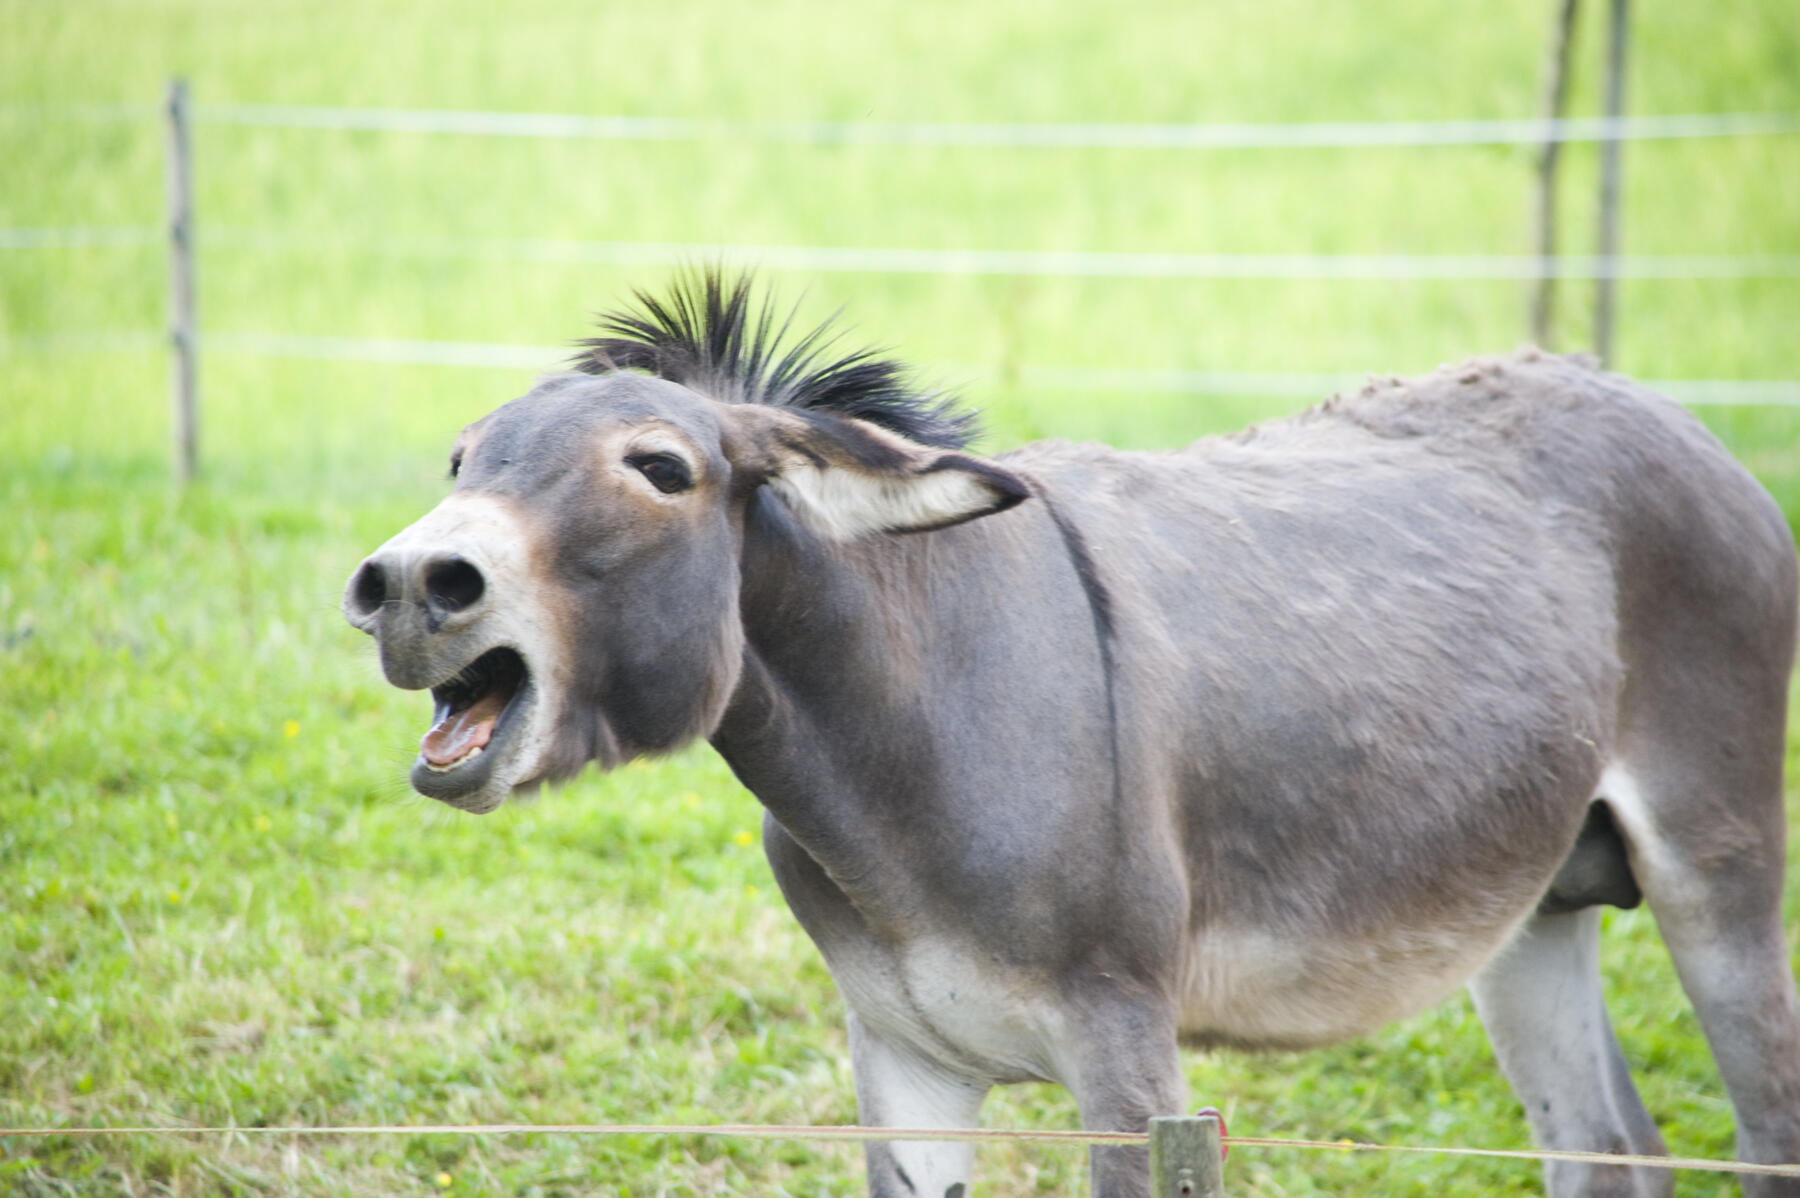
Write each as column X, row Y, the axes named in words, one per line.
column 666, row 472
column 456, row 463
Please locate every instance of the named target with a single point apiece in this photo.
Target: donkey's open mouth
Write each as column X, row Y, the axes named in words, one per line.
column 475, row 711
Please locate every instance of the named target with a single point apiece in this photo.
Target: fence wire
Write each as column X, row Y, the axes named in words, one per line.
column 1777, row 393
column 958, row 262
column 954, row 134
column 931, row 261
column 751, row 1131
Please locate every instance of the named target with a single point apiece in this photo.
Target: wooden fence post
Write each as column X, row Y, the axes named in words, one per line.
column 1611, row 153
column 1184, row 1157
column 183, row 326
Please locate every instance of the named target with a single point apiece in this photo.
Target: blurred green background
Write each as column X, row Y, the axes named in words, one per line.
column 219, row 904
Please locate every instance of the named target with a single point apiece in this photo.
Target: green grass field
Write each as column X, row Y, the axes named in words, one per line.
column 219, row 902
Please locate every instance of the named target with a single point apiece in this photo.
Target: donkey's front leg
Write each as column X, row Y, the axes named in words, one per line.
column 1129, row 1071
column 897, row 1087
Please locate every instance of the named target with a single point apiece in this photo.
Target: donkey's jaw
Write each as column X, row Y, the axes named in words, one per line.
column 484, row 717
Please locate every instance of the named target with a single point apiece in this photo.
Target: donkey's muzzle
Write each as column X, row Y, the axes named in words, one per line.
column 444, row 585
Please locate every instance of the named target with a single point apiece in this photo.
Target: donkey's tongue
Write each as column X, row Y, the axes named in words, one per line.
column 462, row 732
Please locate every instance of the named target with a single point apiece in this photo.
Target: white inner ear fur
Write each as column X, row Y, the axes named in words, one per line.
column 842, row 502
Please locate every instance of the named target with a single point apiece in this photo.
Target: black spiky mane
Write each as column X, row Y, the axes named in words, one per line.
column 709, row 335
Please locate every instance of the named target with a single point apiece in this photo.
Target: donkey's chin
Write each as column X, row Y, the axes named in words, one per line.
column 485, row 733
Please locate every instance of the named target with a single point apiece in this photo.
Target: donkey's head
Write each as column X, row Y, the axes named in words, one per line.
column 575, row 597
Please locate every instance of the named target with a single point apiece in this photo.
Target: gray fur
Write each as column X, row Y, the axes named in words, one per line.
column 1262, row 742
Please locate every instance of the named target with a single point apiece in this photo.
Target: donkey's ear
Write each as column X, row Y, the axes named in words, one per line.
column 843, row 477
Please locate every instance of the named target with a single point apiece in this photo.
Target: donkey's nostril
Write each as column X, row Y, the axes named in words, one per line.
column 369, row 589
column 453, row 584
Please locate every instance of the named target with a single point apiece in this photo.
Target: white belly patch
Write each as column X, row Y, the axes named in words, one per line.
column 1256, row 990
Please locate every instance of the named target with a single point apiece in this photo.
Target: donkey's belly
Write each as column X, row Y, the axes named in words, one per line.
column 1252, row 989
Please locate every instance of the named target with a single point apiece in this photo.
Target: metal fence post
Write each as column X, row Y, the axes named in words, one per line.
column 1611, row 152
column 1556, row 91
column 184, row 373
column 1184, row 1157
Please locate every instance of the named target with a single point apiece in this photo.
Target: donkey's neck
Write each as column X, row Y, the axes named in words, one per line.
column 832, row 693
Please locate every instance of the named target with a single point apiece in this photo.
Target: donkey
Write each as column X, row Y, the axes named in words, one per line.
column 1070, row 755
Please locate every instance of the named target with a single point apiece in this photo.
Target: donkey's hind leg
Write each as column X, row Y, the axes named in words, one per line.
column 1542, row 1005
column 1711, row 870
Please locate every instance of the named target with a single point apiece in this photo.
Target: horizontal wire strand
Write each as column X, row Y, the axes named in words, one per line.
column 1776, row 393
column 1228, row 135
column 1449, row 267
column 961, row 1135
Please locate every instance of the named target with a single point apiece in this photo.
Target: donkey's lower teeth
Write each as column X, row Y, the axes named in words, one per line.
column 468, row 709
column 471, row 755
